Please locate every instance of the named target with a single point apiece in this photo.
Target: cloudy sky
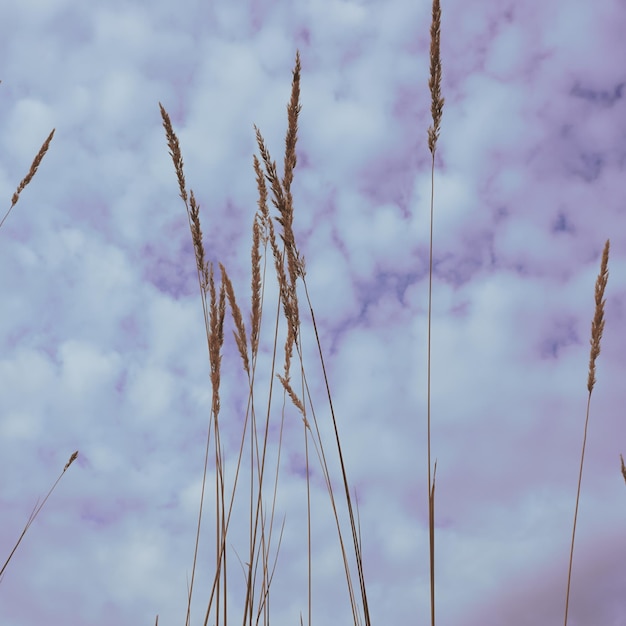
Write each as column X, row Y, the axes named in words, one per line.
column 102, row 337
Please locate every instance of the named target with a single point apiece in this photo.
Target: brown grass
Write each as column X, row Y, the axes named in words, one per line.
column 597, row 326
column 240, row 333
column 33, row 169
column 434, row 84
column 290, row 271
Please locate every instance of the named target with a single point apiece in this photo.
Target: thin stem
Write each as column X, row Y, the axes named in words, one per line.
column 36, row 511
column 597, row 327
column 580, row 478
column 431, row 513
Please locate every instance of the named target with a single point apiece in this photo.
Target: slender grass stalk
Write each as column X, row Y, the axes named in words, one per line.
column 597, row 327
column 434, row 84
column 35, row 512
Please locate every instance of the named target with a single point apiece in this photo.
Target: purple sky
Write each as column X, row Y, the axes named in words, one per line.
column 102, row 338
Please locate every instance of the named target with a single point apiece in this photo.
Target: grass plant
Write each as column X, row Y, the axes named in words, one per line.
column 437, row 101
column 271, row 235
column 597, row 327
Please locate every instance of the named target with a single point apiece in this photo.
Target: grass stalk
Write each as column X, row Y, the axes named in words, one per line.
column 597, row 327
column 434, row 84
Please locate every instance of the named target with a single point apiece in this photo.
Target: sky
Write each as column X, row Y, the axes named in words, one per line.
column 102, row 337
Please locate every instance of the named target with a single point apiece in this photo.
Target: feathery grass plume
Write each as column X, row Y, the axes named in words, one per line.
column 256, row 287
column 597, row 326
column 72, row 459
column 217, row 310
column 192, row 207
column 623, row 467
column 198, row 245
column 265, row 218
column 286, row 210
column 286, row 280
column 283, row 201
column 175, row 153
column 36, row 511
column 434, row 84
column 31, row 173
column 287, row 295
column 240, row 335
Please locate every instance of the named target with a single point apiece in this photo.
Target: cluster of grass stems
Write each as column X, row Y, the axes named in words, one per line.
column 273, row 238
column 276, row 242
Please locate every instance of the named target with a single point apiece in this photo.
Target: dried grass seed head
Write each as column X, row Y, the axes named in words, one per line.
column 597, row 324
column 33, row 169
column 434, row 81
column 175, row 153
column 255, row 315
column 240, row 335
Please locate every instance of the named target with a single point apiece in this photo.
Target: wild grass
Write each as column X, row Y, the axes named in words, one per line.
column 597, row 327
column 273, row 239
